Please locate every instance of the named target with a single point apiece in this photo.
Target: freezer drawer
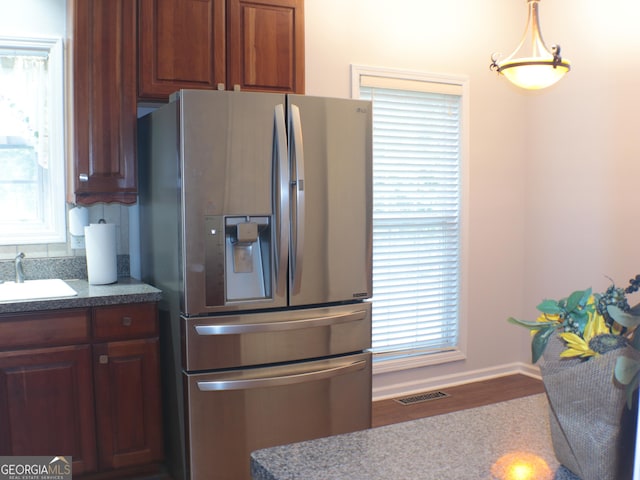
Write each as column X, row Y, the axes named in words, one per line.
column 232, row 413
column 263, row 338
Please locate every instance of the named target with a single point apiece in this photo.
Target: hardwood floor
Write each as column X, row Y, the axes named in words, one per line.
column 461, row 397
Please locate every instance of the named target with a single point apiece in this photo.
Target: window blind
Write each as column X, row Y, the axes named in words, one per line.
column 416, row 215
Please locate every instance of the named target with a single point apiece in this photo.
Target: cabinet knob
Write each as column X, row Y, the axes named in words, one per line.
column 83, row 177
column 103, row 359
column 127, row 321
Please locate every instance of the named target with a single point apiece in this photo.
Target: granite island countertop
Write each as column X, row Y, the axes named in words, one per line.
column 125, row 290
column 474, row 444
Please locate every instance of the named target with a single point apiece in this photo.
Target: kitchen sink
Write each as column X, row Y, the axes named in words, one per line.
column 35, row 289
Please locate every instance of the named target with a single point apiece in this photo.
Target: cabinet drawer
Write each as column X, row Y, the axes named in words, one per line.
column 125, row 321
column 59, row 327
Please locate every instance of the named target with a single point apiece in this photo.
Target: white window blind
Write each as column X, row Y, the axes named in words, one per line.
column 416, row 214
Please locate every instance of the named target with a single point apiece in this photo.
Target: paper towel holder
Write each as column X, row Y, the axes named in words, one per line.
column 78, row 219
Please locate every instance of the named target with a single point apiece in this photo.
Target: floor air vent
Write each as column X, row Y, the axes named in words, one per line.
column 421, row 397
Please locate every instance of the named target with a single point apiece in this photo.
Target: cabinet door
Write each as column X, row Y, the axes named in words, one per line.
column 266, row 45
column 46, row 404
column 104, row 98
column 181, row 45
column 128, row 408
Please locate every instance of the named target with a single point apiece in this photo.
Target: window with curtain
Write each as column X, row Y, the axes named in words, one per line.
column 31, row 141
column 418, row 145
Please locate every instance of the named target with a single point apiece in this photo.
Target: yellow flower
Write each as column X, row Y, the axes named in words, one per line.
column 579, row 347
column 546, row 317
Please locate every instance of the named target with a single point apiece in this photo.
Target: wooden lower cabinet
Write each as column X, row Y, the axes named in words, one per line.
column 128, row 405
column 96, row 400
column 46, row 404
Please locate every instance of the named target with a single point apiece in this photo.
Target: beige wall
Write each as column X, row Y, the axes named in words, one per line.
column 584, row 165
column 552, row 184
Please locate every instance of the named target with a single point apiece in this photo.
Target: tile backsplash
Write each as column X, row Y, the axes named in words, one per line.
column 73, row 258
column 111, row 213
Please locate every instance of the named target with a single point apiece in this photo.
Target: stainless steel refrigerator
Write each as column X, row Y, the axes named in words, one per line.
column 256, row 224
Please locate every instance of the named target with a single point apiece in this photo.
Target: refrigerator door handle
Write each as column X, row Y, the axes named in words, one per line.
column 297, row 186
column 236, row 329
column 295, row 378
column 281, row 192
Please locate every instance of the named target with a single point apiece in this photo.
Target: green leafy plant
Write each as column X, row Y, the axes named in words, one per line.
column 591, row 324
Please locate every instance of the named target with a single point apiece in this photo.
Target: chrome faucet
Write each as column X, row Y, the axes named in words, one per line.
column 19, row 269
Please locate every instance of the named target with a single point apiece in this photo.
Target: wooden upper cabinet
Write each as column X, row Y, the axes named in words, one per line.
column 266, row 45
column 209, row 44
column 123, row 51
column 181, row 45
column 104, row 101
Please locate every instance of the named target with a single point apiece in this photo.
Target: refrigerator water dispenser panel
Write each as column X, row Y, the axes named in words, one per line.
column 238, row 259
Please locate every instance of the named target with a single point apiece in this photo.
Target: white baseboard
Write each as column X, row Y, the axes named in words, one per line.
column 438, row 383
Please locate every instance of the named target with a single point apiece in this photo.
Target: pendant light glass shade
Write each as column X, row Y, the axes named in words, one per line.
column 532, row 65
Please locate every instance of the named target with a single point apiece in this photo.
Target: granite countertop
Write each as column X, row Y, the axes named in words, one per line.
column 471, row 444
column 125, row 290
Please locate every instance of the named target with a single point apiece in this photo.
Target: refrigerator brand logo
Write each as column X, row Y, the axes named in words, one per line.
column 360, row 295
column 362, row 110
column 35, row 468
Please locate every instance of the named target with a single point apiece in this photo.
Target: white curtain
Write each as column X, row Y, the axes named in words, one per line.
column 23, row 93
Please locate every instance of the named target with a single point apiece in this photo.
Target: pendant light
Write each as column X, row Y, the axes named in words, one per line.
column 532, row 65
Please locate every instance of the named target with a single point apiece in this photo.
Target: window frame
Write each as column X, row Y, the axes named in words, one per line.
column 458, row 353
column 53, row 229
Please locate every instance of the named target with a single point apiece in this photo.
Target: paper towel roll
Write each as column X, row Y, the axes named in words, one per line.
column 78, row 219
column 102, row 264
